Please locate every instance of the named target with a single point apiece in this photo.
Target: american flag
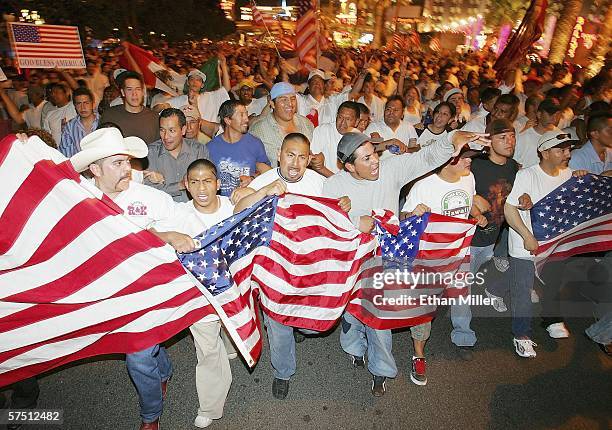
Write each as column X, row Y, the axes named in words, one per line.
column 77, row 278
column 434, row 44
column 428, row 252
column 400, row 42
column 46, row 45
column 306, row 33
column 575, row 218
column 303, row 255
column 259, row 18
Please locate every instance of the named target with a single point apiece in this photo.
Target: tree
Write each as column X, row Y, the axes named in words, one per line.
column 506, row 12
column 564, row 29
column 602, row 45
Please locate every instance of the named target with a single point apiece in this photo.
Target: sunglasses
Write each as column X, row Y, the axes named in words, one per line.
column 560, row 136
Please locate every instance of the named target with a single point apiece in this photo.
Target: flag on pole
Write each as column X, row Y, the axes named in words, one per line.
column 400, row 42
column 427, row 257
column 46, row 46
column 575, row 218
column 415, row 40
column 154, row 72
column 78, row 278
column 434, row 44
column 259, row 18
column 306, row 33
column 528, row 32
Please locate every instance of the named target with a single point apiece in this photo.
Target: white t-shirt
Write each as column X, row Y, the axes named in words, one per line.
column 537, row 183
column 327, row 107
column 428, row 137
column 257, row 106
column 444, row 198
column 404, row 132
column 311, row 183
column 33, row 115
column 209, row 103
column 188, row 220
column 57, row 119
column 325, row 139
column 377, row 108
column 526, row 150
column 146, row 206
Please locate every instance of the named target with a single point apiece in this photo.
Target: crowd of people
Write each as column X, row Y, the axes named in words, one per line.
column 410, row 133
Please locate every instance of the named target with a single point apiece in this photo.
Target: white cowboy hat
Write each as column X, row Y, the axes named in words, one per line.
column 104, row 143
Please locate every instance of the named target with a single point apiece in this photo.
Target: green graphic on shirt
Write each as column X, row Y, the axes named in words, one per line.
column 456, row 203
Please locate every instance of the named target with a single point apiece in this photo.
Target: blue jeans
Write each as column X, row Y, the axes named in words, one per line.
column 461, row 313
column 521, row 283
column 148, row 368
column 282, row 347
column 356, row 338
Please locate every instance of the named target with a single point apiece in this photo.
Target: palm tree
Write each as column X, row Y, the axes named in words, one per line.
column 602, row 45
column 563, row 30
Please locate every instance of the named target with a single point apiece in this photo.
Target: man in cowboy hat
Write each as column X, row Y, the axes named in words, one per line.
column 106, row 153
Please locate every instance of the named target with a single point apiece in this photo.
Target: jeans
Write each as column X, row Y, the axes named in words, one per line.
column 282, row 348
column 601, row 331
column 356, row 338
column 461, row 313
column 148, row 368
column 521, row 283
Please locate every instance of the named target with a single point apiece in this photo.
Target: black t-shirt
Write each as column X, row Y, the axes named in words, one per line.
column 493, row 183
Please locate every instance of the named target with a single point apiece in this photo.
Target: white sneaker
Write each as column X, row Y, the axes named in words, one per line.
column 232, row 355
column 558, row 331
column 534, row 296
column 524, row 347
column 202, row 422
column 497, row 302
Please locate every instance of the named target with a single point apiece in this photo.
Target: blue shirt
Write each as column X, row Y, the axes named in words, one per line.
column 72, row 134
column 236, row 159
column 586, row 158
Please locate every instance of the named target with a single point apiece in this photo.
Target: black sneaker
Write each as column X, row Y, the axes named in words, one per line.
column 280, row 388
column 299, row 337
column 358, row 361
column 465, row 353
column 378, row 386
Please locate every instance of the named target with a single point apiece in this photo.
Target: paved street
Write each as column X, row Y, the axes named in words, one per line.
column 568, row 386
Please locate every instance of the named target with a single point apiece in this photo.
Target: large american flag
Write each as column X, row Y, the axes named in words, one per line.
column 428, row 252
column 77, row 278
column 46, row 46
column 575, row 218
column 302, row 254
column 306, row 32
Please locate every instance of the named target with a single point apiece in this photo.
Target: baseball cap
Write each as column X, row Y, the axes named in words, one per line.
column 198, row 74
column 316, row 72
column 499, row 126
column 349, row 143
column 281, row 89
column 248, row 83
column 550, row 106
column 554, row 138
column 451, row 93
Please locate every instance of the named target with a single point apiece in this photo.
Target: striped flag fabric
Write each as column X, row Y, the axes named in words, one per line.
column 259, row 18
column 154, row 72
column 306, row 33
column 575, row 218
column 424, row 259
column 298, row 256
column 400, row 42
column 46, row 46
column 434, row 44
column 415, row 40
column 77, row 278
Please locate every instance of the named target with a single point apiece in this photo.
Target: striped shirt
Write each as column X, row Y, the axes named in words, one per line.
column 72, row 134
